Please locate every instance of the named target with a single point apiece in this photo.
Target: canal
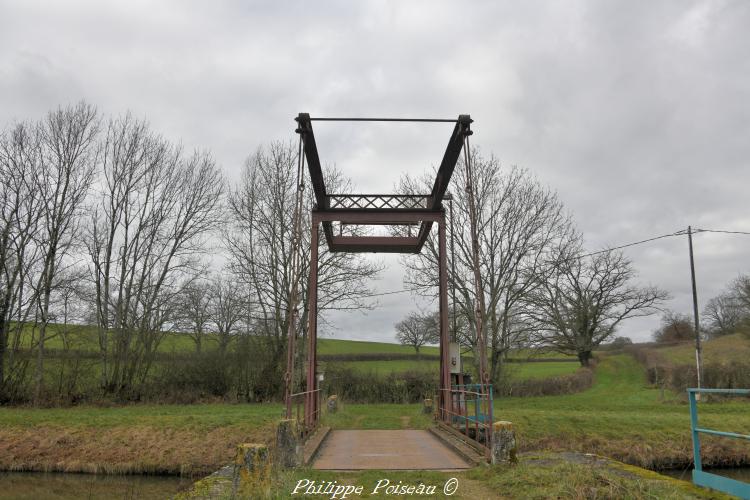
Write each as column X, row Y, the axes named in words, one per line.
column 66, row 486
column 738, row 473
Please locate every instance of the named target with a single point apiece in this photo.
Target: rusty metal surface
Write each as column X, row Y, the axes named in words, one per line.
column 380, row 203
column 386, row 450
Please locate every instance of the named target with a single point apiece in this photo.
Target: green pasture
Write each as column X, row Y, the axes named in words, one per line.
column 538, row 370
column 338, row 346
column 516, row 371
column 85, row 338
column 734, row 347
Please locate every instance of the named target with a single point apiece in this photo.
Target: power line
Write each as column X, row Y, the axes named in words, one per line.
column 681, row 232
column 677, row 233
column 719, row 231
column 392, row 292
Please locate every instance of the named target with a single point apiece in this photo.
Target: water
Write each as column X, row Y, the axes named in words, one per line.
column 738, row 473
column 64, row 486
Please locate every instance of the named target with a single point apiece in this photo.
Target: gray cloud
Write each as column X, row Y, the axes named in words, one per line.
column 637, row 113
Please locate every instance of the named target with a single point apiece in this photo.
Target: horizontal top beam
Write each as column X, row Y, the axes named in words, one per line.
column 377, row 217
column 375, row 244
column 413, row 120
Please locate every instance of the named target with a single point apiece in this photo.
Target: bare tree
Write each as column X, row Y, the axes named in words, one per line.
column 69, row 149
column 260, row 247
column 740, row 290
column 582, row 304
column 723, row 314
column 20, row 257
column 229, row 308
column 730, row 310
column 417, row 330
column 194, row 313
column 155, row 206
column 520, row 224
column 675, row 327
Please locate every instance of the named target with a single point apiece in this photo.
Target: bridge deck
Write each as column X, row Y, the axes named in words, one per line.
column 386, row 450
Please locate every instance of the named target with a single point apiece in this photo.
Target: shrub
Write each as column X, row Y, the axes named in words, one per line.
column 571, row 383
column 358, row 387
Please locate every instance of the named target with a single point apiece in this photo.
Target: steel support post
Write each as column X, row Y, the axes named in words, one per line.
column 311, row 400
column 289, row 376
column 446, row 399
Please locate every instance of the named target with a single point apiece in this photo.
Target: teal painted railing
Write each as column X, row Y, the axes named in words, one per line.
column 701, row 477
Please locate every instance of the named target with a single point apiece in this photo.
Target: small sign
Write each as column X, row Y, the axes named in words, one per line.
column 455, row 357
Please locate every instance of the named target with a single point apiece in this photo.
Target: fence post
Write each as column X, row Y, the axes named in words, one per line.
column 696, row 435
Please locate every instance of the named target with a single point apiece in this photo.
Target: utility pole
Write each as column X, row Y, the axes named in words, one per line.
column 698, row 357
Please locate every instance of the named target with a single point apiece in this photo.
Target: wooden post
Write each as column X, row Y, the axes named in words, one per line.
column 698, row 354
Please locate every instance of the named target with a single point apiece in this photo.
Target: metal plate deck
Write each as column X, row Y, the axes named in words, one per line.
column 386, row 450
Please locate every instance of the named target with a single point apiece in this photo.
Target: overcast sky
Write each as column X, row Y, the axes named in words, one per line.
column 636, row 113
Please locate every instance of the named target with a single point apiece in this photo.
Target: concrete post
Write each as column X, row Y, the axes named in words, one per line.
column 504, row 446
column 333, row 403
column 427, row 408
column 288, row 448
column 252, row 470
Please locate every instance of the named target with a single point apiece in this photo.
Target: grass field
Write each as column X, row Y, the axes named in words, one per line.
column 84, row 337
column 734, row 347
column 338, row 346
column 518, row 371
column 524, row 371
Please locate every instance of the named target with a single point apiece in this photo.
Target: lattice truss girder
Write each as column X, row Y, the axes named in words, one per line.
column 378, row 201
column 384, row 205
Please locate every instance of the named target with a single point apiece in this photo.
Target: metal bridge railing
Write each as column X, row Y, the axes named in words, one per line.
column 471, row 412
column 307, row 421
column 701, row 477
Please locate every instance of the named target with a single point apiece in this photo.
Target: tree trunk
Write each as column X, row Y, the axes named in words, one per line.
column 497, row 366
column 584, row 357
column 44, row 313
column 3, row 344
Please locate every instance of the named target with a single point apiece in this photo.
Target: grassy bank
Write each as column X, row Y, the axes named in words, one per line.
column 620, row 416
column 538, row 476
column 162, row 439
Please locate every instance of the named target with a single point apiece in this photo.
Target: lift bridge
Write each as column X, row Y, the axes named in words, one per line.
column 462, row 407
